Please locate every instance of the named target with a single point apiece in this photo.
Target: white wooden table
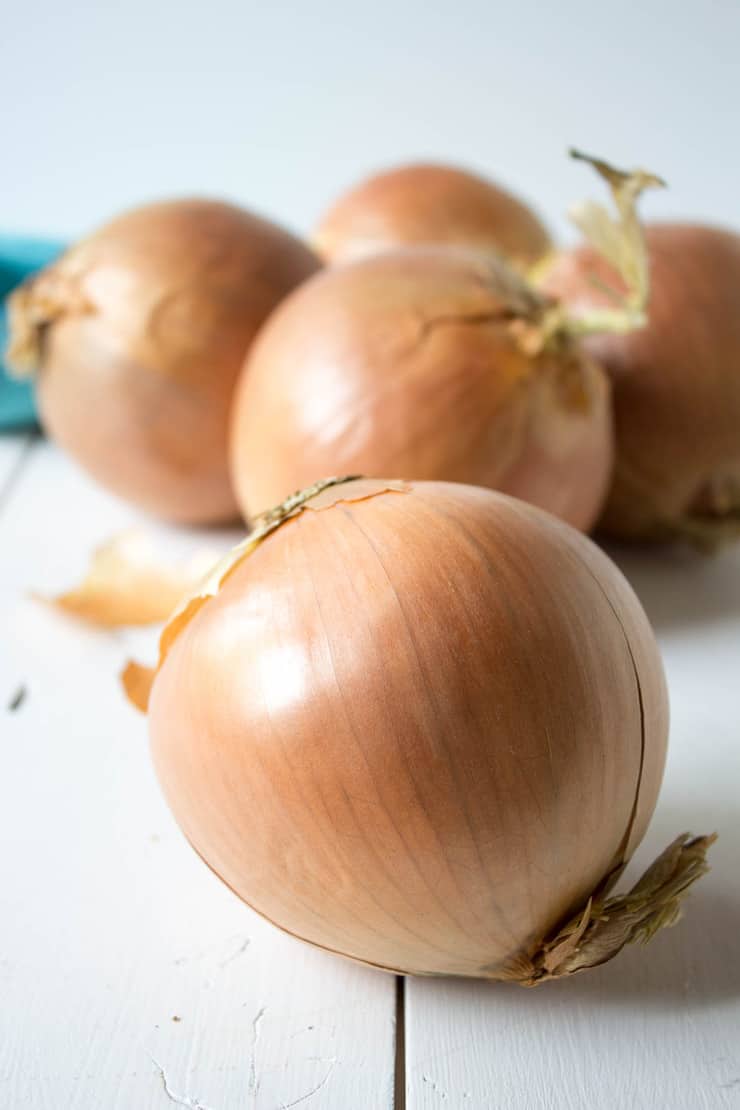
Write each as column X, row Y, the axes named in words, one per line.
column 131, row 979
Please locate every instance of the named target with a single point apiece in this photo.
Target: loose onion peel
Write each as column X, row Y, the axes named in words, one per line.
column 386, row 763
column 127, row 583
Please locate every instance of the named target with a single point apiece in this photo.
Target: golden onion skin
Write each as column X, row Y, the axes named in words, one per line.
column 416, row 728
column 411, row 363
column 139, row 333
column 430, row 204
column 676, row 383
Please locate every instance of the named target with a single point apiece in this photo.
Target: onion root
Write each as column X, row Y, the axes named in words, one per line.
column 605, row 925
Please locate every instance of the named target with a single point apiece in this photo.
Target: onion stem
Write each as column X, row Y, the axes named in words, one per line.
column 620, row 240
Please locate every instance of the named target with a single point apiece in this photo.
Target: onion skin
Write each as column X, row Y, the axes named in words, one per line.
column 676, row 384
column 413, row 363
column 432, row 204
column 139, row 333
column 415, row 728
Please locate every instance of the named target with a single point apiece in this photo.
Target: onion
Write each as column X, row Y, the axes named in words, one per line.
column 439, row 363
column 139, row 333
column 418, row 362
column 430, row 204
column 421, row 726
column 676, row 384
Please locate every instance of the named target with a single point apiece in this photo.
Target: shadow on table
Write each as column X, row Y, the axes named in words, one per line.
column 680, row 587
column 690, row 967
column 687, row 968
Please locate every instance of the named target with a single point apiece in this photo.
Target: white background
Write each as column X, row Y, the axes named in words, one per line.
column 280, row 105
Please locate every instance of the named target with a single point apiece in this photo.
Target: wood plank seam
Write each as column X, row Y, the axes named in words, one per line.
column 399, row 1090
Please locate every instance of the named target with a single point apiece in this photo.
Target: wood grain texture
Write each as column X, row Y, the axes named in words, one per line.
column 130, row 976
column 660, row 1026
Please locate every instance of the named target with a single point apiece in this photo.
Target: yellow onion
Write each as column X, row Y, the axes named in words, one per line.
column 426, row 362
column 430, row 204
column 423, row 726
column 138, row 334
column 676, row 384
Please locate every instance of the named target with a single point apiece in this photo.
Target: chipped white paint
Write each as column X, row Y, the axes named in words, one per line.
column 180, row 1100
column 660, row 1026
column 130, row 977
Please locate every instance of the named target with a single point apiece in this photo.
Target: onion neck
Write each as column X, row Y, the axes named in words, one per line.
column 27, row 327
column 138, row 679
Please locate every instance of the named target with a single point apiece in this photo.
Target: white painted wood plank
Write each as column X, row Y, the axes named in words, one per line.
column 13, row 447
column 130, row 977
column 660, row 1026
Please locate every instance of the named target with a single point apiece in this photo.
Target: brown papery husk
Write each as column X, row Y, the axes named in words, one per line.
column 137, row 335
column 426, row 203
column 422, row 726
column 676, row 385
column 425, row 362
column 128, row 583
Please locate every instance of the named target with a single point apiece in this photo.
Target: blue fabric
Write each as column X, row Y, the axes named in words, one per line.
column 19, row 257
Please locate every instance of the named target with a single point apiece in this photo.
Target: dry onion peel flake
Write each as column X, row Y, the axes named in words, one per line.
column 376, row 731
column 127, row 584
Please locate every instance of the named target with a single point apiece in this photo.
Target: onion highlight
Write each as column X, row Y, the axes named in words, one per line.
column 423, row 726
column 138, row 334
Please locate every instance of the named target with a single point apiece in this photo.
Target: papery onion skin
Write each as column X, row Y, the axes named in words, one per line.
column 432, row 204
column 413, row 363
column 139, row 332
column 676, row 383
column 417, row 729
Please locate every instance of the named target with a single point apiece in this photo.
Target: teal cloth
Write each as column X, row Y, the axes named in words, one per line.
column 19, row 257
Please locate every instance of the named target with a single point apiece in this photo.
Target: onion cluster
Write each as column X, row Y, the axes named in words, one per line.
column 415, row 721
